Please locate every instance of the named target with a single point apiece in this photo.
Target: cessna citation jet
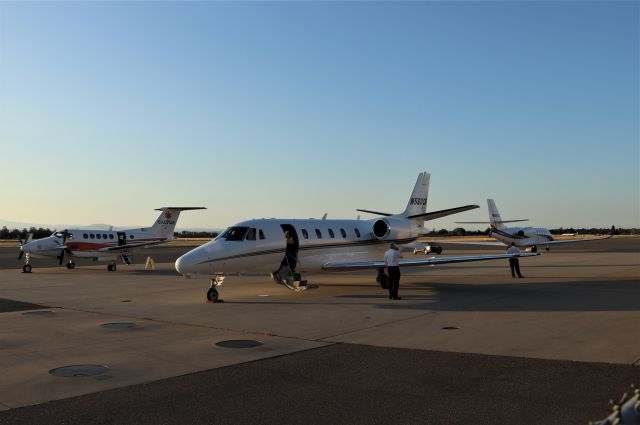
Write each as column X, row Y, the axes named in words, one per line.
column 523, row 237
column 288, row 249
column 102, row 245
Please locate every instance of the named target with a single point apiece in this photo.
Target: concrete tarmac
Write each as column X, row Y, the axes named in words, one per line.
column 467, row 344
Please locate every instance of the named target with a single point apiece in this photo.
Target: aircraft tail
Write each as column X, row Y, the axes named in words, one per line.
column 417, row 204
column 165, row 224
column 494, row 215
column 495, row 220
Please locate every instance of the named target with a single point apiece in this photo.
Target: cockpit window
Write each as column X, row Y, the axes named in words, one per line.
column 234, row 233
column 251, row 234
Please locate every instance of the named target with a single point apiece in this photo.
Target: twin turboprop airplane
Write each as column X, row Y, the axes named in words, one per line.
column 523, row 237
column 288, row 249
column 102, row 245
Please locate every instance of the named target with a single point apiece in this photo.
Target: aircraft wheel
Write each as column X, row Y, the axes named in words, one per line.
column 71, row 265
column 26, row 268
column 534, row 249
column 111, row 267
column 547, row 248
column 212, row 295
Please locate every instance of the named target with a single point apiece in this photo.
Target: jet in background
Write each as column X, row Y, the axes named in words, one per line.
column 290, row 248
column 102, row 245
column 523, row 237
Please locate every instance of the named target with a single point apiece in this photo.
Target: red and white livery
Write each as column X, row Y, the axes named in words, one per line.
column 103, row 245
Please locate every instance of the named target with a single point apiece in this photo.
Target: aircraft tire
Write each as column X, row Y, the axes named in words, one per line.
column 26, row 268
column 212, row 295
column 71, row 265
column 534, row 249
column 111, row 267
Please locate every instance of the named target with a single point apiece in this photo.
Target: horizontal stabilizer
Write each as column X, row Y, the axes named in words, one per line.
column 371, row 265
column 376, row 212
column 443, row 213
column 180, row 208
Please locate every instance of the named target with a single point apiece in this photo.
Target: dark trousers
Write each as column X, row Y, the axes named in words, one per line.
column 394, row 280
column 514, row 264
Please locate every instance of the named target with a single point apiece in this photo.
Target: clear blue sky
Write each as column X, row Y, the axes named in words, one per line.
column 294, row 109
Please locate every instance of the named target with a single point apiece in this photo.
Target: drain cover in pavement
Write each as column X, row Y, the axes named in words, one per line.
column 118, row 325
column 38, row 313
column 239, row 343
column 78, row 371
column 450, row 328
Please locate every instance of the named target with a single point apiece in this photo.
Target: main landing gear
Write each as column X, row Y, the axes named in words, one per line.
column 212, row 293
column 111, row 267
column 71, row 265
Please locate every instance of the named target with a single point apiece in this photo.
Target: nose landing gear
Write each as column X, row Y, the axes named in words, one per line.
column 212, row 293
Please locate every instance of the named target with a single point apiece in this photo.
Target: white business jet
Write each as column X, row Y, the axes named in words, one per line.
column 523, row 237
column 290, row 248
column 102, row 245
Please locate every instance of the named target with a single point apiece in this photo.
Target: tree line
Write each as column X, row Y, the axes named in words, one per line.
column 41, row 232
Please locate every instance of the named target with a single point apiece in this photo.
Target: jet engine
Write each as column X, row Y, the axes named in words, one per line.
column 391, row 228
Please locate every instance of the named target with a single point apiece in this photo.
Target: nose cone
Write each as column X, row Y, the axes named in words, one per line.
column 189, row 262
column 181, row 265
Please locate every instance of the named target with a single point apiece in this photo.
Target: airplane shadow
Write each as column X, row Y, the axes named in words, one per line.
column 592, row 296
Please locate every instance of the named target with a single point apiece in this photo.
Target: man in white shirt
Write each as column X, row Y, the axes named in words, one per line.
column 392, row 261
column 514, row 264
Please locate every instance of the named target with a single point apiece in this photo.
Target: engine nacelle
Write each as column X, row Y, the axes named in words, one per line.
column 392, row 228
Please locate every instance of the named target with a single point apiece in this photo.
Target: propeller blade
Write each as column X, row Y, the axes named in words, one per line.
column 61, row 257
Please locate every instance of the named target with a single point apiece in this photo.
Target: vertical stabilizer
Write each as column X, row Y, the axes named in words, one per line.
column 494, row 215
column 165, row 224
column 418, row 202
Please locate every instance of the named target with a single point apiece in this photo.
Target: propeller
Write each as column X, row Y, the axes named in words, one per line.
column 23, row 242
column 62, row 251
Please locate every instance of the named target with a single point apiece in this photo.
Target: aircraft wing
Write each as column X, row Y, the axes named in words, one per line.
column 575, row 240
column 443, row 213
column 375, row 212
column 131, row 245
column 371, row 265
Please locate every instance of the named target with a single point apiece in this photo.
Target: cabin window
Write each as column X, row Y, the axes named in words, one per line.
column 305, row 234
column 131, row 237
column 85, row 236
column 331, row 233
column 251, row 234
column 111, row 236
column 104, row 236
column 343, row 233
column 234, row 233
column 98, row 236
column 318, row 234
column 261, row 234
column 92, row 236
column 357, row 232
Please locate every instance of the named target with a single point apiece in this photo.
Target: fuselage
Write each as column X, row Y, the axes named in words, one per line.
column 522, row 237
column 89, row 243
column 262, row 245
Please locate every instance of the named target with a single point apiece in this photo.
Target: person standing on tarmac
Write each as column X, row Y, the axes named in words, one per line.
column 514, row 264
column 392, row 262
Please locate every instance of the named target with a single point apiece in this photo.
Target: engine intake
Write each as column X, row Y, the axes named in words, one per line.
column 381, row 229
column 392, row 228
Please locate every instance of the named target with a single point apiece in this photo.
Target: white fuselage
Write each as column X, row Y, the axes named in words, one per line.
column 315, row 243
column 522, row 237
column 89, row 243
